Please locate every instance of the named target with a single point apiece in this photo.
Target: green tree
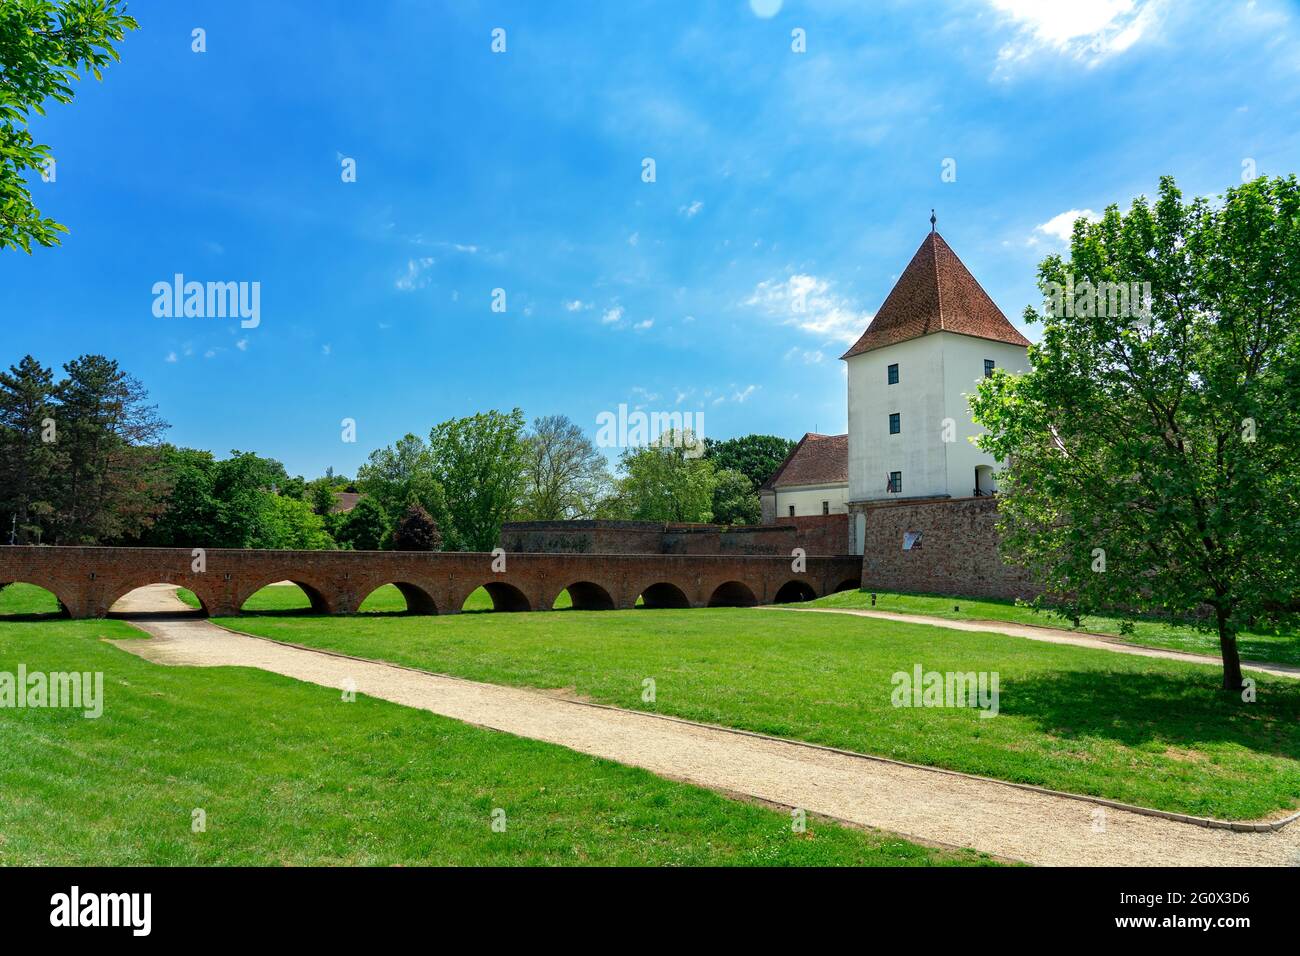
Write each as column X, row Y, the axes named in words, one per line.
column 110, row 484
column 27, row 461
column 565, row 477
column 754, row 456
column 662, row 482
column 399, row 475
column 290, row 523
column 1151, row 452
column 192, row 509
column 478, row 463
column 242, row 485
column 734, row 499
column 364, row 528
column 45, row 46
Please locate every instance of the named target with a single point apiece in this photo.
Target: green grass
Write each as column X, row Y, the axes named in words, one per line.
column 1151, row 732
column 289, row 774
column 1280, row 648
column 384, row 600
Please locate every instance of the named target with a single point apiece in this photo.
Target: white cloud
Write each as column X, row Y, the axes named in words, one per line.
column 1085, row 30
column 692, row 210
column 1061, row 226
column 809, row 356
column 633, row 239
column 242, row 345
column 642, row 326
column 740, row 396
column 612, row 315
column 325, row 349
column 414, row 277
column 809, row 303
column 575, row 305
column 171, row 357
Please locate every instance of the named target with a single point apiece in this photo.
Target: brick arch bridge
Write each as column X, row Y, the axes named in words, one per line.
column 87, row 581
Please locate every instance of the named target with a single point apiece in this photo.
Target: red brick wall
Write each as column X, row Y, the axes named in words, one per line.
column 89, row 580
column 820, row 534
column 958, row 553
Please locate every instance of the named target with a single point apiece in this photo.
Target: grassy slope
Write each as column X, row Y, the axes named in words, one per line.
column 1150, row 732
column 288, row 773
column 1281, row 648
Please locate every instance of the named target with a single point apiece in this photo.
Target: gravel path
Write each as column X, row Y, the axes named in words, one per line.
column 1050, row 635
column 931, row 806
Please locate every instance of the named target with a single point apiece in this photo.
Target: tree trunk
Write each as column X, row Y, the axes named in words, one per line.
column 1228, row 646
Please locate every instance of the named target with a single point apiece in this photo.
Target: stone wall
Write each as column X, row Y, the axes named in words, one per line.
column 958, row 551
column 821, row 534
column 816, row 534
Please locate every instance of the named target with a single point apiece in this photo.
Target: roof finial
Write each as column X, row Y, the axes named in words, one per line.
column 933, row 220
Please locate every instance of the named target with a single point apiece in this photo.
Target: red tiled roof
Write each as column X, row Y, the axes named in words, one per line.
column 816, row 460
column 345, row 501
column 936, row 293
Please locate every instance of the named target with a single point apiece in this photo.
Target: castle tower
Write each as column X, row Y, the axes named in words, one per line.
column 909, row 378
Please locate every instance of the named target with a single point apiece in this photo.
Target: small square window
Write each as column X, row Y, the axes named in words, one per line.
column 911, row 539
column 895, row 425
column 989, row 366
column 826, row 507
column 893, row 374
column 895, row 482
column 792, row 511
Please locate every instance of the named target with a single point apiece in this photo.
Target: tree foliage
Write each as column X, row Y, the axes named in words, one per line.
column 416, row 531
column 1151, row 457
column 734, row 498
column 478, row 465
column 565, row 477
column 754, row 456
column 45, row 47
column 661, row 482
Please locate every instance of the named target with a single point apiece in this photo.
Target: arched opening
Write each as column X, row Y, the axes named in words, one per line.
column 733, row 594
column 285, row 597
column 848, row 584
column 984, row 481
column 794, row 591
column 20, row 601
column 399, row 597
column 664, row 595
column 585, row 596
column 503, row 597
column 158, row 600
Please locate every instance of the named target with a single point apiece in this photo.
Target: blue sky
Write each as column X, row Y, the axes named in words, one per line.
column 777, row 173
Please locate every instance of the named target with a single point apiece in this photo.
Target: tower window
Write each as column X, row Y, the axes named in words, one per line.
column 895, row 425
column 792, row 511
column 826, row 507
column 895, row 482
column 893, row 374
column 989, row 366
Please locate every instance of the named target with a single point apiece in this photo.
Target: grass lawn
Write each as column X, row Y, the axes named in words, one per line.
column 289, row 774
column 1150, row 732
column 1281, row 648
column 385, row 600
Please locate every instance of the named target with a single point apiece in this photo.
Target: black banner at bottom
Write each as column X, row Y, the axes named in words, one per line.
column 339, row 905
